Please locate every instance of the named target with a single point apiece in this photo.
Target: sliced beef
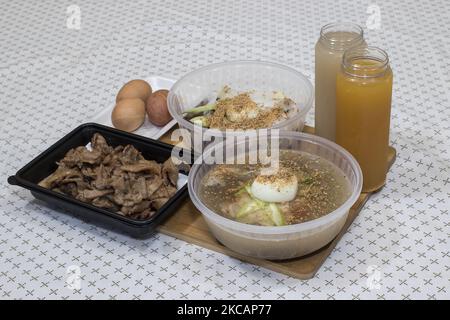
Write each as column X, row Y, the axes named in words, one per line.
column 92, row 194
column 80, row 156
column 164, row 191
column 158, row 203
column 170, row 172
column 69, row 188
column 104, row 202
column 103, row 177
column 153, row 184
column 119, row 179
column 130, row 155
column 113, row 158
column 99, row 143
column 143, row 166
column 89, row 172
column 147, row 213
column 136, row 208
column 137, row 191
column 59, row 175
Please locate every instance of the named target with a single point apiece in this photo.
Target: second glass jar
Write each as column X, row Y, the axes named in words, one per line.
column 363, row 110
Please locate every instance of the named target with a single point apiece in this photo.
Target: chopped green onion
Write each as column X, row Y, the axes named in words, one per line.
column 206, row 107
column 276, row 215
column 270, row 208
column 247, row 208
column 249, row 191
column 200, row 120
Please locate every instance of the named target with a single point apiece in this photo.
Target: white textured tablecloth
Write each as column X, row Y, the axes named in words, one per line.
column 55, row 76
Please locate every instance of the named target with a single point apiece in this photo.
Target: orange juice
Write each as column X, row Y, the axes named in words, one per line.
column 363, row 109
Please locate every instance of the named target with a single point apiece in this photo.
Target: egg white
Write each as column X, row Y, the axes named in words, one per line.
column 238, row 115
column 279, row 188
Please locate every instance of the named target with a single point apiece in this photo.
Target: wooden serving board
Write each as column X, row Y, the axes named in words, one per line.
column 187, row 224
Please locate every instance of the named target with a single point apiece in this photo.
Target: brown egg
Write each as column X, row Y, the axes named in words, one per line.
column 128, row 114
column 157, row 110
column 135, row 89
column 163, row 92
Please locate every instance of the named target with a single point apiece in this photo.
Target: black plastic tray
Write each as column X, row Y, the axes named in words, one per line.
column 45, row 164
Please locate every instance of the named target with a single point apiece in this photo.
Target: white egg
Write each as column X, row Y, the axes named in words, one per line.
column 278, row 187
column 278, row 95
column 235, row 114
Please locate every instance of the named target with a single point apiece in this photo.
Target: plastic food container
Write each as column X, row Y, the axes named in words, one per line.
column 198, row 85
column 45, row 164
column 283, row 242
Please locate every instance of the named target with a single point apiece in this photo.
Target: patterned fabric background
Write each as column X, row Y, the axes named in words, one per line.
column 58, row 71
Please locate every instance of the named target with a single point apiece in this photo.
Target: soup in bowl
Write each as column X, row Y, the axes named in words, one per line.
column 276, row 212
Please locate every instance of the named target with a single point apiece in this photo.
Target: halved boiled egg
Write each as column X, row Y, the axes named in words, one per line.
column 241, row 113
column 280, row 186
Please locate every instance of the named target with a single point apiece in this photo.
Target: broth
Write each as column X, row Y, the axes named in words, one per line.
column 321, row 188
column 363, row 116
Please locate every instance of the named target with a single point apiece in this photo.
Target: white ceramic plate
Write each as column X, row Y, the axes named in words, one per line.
column 148, row 129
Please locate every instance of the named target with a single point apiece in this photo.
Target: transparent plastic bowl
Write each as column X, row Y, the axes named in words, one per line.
column 283, row 242
column 197, row 85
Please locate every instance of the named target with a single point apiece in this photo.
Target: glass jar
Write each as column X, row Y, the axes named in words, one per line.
column 334, row 39
column 363, row 111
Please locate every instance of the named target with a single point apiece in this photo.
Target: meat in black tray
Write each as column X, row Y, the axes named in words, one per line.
column 121, row 180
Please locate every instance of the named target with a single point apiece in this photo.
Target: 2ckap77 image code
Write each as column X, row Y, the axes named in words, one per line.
column 225, row 310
